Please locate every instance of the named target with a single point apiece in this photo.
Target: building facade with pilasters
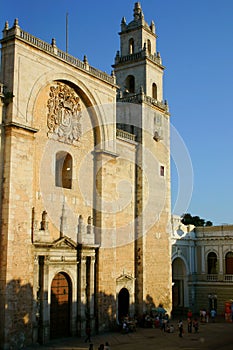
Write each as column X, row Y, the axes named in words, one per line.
column 202, row 267
column 85, row 190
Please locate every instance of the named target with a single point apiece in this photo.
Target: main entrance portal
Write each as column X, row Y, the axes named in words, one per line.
column 60, row 306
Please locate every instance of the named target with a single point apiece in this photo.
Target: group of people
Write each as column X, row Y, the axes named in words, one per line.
column 153, row 320
column 164, row 323
column 192, row 324
column 205, row 315
column 101, row 347
column 105, row 346
column 158, row 321
column 128, row 324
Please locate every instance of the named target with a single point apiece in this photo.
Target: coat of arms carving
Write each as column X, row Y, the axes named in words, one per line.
column 64, row 113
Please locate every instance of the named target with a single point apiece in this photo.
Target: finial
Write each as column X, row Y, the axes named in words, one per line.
column 16, row 22
column 6, row 25
column 152, row 26
column 117, row 57
column 85, row 59
column 123, row 21
column 53, row 42
column 123, row 24
column 159, row 57
column 137, row 11
column 44, row 222
column 166, row 105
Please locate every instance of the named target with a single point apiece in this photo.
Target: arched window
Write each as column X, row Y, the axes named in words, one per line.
column 131, row 46
column 130, row 84
column 229, row 263
column 154, row 91
column 149, row 46
column 63, row 175
column 212, row 263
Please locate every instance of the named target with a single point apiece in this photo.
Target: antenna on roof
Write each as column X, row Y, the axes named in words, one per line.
column 66, row 32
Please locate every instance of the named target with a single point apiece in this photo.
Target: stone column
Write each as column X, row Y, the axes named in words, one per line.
column 44, row 325
column 82, row 298
column 92, row 292
column 190, row 260
column 203, row 259
column 220, row 260
column 36, row 301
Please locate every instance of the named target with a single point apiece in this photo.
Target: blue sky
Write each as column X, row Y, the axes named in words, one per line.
column 195, row 39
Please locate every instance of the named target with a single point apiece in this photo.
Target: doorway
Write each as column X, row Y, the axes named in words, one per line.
column 60, row 306
column 180, row 292
column 123, row 304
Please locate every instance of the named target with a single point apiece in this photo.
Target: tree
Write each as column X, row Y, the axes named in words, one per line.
column 208, row 223
column 188, row 219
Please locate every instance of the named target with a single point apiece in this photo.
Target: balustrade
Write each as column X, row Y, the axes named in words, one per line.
column 212, row 277
column 125, row 135
column 219, row 278
column 228, row 278
column 52, row 49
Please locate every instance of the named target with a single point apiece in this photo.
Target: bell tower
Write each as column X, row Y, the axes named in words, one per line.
column 138, row 66
column 142, row 111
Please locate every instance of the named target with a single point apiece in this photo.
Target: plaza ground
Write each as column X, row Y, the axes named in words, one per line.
column 214, row 336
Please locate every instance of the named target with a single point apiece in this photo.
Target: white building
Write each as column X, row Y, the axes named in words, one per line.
column 202, row 267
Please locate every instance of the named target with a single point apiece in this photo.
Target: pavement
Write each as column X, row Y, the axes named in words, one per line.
column 212, row 336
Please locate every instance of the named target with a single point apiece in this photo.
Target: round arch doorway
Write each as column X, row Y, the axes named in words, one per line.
column 60, row 307
column 123, row 304
column 180, row 290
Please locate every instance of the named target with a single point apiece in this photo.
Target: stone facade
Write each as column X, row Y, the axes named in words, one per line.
column 85, row 191
column 202, row 266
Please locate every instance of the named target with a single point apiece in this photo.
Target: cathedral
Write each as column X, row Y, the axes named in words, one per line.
column 85, row 187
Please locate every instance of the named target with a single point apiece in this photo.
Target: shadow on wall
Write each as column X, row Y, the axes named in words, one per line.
column 112, row 311
column 21, row 319
column 16, row 315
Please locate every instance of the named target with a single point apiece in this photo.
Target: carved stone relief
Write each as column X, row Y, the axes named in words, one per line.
column 64, row 114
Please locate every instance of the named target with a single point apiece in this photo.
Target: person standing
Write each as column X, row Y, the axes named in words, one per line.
column 189, row 321
column 88, row 334
column 195, row 325
column 190, row 314
column 180, row 326
column 213, row 315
